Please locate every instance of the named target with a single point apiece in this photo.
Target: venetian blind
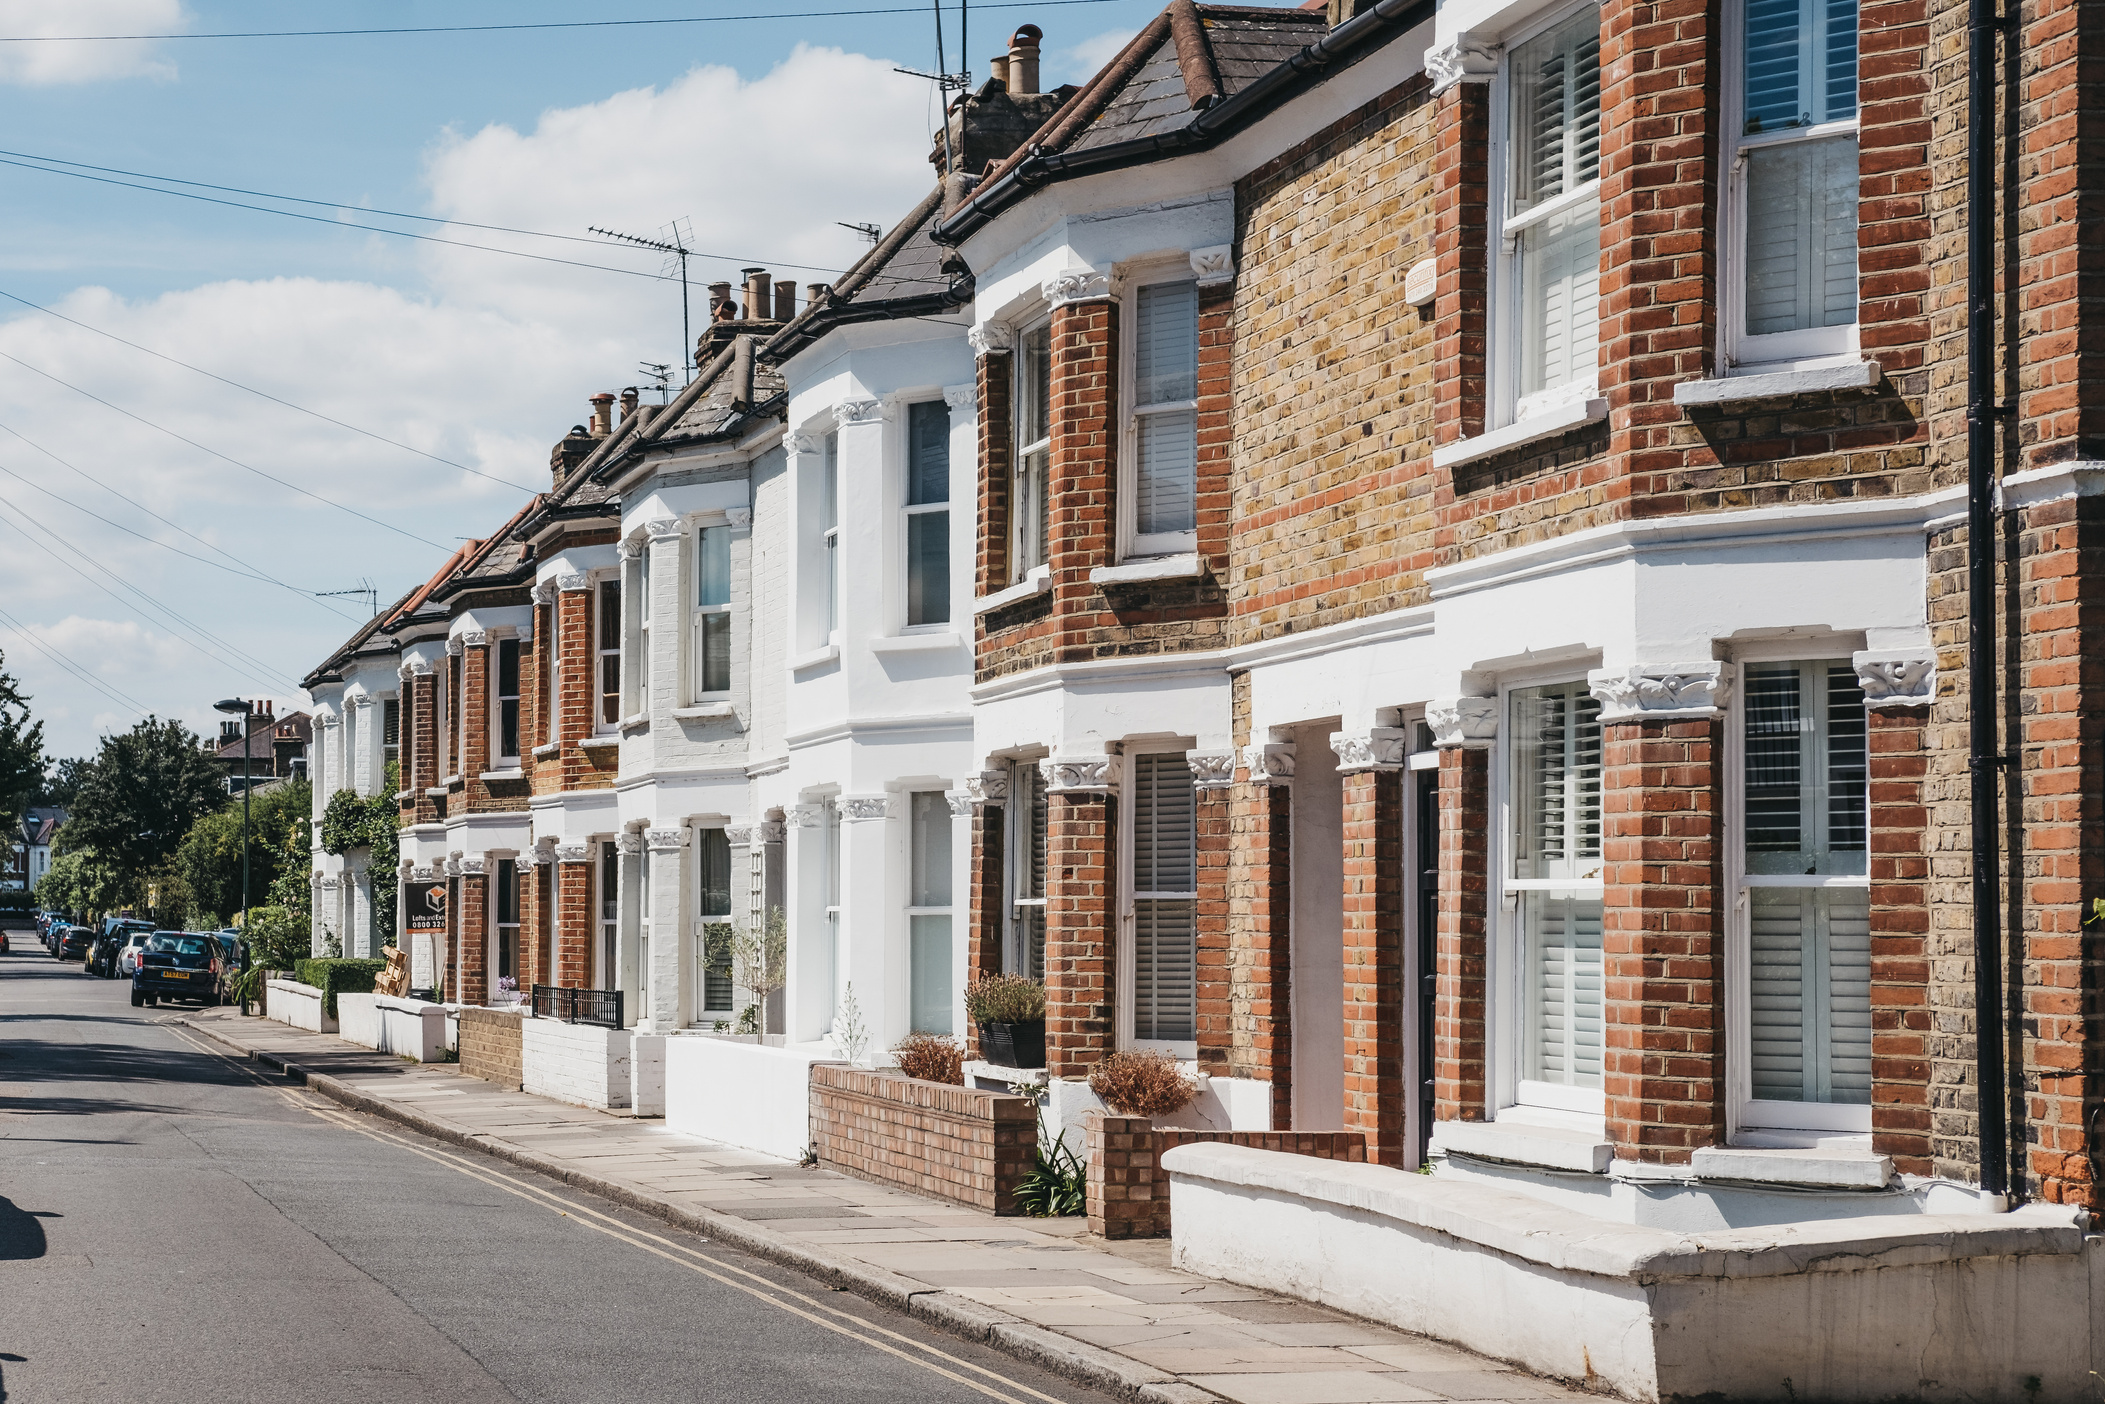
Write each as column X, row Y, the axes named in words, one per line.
column 1165, row 880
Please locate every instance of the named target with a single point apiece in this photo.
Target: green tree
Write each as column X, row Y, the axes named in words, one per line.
column 293, row 887
column 209, row 857
column 62, row 781
column 370, row 823
column 141, row 794
column 84, row 883
column 22, row 759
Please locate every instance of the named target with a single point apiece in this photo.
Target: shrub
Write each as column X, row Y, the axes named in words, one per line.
column 335, row 977
column 1142, row 1084
column 278, row 938
column 1005, row 999
column 932, row 1058
column 1056, row 1185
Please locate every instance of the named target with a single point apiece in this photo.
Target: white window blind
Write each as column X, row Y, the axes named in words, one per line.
column 1029, row 504
column 1553, row 218
column 1796, row 160
column 1165, row 415
column 1806, row 839
column 1556, row 869
column 1027, row 870
column 928, row 513
column 1165, row 899
column 712, row 611
column 928, row 918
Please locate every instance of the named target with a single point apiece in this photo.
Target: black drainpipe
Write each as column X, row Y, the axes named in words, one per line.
column 1984, row 760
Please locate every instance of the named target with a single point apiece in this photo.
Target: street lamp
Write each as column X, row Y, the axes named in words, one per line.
column 247, row 712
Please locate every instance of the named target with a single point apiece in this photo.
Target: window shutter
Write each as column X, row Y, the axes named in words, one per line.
column 1557, row 780
column 1566, row 967
column 1556, row 112
column 1809, row 994
column 1167, row 490
column 1774, row 763
column 1166, row 371
column 1801, row 236
column 1165, row 927
column 1166, row 367
column 1560, row 278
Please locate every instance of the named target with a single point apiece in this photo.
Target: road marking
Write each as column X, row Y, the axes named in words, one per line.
column 812, row 1309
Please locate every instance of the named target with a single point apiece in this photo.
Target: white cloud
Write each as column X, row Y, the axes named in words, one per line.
column 486, row 361
column 59, row 61
column 1080, row 63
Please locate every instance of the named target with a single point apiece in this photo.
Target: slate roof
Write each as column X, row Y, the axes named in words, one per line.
column 1193, row 66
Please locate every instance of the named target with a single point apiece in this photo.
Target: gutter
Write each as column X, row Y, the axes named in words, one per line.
column 1337, row 50
column 795, row 337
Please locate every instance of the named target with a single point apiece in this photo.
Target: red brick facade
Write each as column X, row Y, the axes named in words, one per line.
column 1461, row 953
column 1080, row 854
column 1376, row 1097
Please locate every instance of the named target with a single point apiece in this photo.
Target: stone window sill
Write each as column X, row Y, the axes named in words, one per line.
column 705, row 711
column 916, row 643
column 1812, row 1169
column 1772, row 385
column 401, row 795
column 515, row 773
column 597, row 743
column 639, row 722
column 824, row 654
column 544, row 752
column 435, row 792
column 1185, row 566
column 1547, row 425
column 1038, row 582
column 1550, row 1147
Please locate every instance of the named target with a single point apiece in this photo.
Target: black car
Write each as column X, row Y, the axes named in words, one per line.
column 116, row 931
column 72, row 942
column 184, row 966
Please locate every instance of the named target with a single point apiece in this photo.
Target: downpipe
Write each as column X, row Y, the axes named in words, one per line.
column 1985, row 762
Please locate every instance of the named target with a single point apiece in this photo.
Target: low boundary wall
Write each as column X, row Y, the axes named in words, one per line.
column 290, row 1002
column 582, row 1064
column 489, row 1046
column 1128, row 1191
column 740, row 1092
column 956, row 1143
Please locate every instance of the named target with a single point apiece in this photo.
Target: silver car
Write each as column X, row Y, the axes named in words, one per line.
column 128, row 953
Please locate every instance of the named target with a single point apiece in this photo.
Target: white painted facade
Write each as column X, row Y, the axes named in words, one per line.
column 351, row 749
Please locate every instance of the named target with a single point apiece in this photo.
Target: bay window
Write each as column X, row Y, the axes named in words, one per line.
column 1804, row 851
column 1549, row 221
column 1161, row 909
column 1792, row 135
column 507, row 704
column 608, row 649
column 927, row 513
column 1029, row 503
column 1162, row 449
column 928, row 917
column 712, row 612
column 1027, row 833
column 1554, row 881
column 712, row 851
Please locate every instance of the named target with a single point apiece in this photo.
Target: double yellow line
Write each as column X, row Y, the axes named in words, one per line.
column 974, row 1377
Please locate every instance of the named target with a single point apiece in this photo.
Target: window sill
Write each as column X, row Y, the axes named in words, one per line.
column 1516, row 1144
column 705, row 711
column 1547, row 425
column 451, row 782
column 544, row 752
column 1813, row 1169
column 1773, row 385
column 514, row 773
column 639, row 722
column 1186, row 566
column 813, row 659
column 598, row 743
column 1038, row 582
column 435, row 792
column 401, row 795
column 916, row 643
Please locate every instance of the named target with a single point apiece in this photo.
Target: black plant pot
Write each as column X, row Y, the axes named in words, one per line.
column 1013, row 1045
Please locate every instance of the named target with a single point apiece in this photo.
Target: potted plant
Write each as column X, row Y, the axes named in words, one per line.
column 1010, row 1013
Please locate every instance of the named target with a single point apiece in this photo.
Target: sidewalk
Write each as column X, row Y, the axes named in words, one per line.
column 1113, row 1315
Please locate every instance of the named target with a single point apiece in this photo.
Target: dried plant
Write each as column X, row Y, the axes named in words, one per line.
column 1005, row 999
column 848, row 1035
column 932, row 1058
column 1142, row 1084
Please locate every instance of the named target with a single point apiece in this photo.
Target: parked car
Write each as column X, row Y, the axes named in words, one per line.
column 128, row 954
column 235, row 960
column 179, row 965
column 73, row 942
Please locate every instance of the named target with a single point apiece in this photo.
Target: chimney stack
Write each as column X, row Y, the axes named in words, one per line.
column 629, row 398
column 759, row 302
column 1023, row 61
column 785, row 300
column 602, row 414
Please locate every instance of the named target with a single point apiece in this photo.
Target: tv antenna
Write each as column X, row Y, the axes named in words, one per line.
column 676, row 249
column 946, row 82
column 364, row 591
column 660, row 374
column 873, row 232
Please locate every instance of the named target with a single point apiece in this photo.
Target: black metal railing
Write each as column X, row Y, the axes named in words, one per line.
column 573, row 1006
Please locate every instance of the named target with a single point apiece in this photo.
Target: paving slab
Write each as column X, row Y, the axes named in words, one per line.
column 1115, row 1315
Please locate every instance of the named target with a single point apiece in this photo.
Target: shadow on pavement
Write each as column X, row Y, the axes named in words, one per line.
column 21, row 1233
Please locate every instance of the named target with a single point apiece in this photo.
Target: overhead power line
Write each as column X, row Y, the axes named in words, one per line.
column 513, row 28
column 58, row 656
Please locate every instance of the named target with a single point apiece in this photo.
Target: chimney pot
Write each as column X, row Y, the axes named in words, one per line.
column 998, row 67
column 1023, row 61
column 759, row 301
column 629, row 397
column 719, row 294
column 785, row 300
column 816, row 293
column 602, row 414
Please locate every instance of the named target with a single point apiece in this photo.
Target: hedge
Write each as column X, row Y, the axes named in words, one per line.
column 334, row 976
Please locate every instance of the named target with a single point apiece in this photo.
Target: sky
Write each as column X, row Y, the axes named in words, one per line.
column 212, row 416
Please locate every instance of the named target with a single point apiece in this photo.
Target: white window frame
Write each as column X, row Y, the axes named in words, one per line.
column 606, row 919
column 699, row 612
column 1186, row 1050
column 391, row 750
column 1583, row 1108
column 501, row 758
column 1020, row 569
column 903, row 439
column 601, row 725
column 949, row 911
column 830, row 534
column 1131, row 544
column 703, row 1014
column 643, row 632
column 1811, row 347
column 1507, row 337
column 1016, row 824
column 499, row 926
column 1766, row 1121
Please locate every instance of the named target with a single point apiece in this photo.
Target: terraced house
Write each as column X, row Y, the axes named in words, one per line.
column 1527, row 565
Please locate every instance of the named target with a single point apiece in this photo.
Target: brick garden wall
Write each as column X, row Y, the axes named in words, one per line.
column 954, row 1143
column 489, row 1046
column 1128, row 1194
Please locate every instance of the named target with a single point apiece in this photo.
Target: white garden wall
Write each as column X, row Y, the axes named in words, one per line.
column 739, row 1093
column 582, row 1064
column 291, row 1002
column 410, row 1028
column 1938, row 1307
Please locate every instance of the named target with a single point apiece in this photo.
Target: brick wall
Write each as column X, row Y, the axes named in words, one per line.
column 954, row 1143
column 1128, row 1194
column 420, row 724
column 1900, row 971
column 1377, row 1100
column 489, row 1046
column 1464, row 923
column 575, row 926
column 1261, row 1034
column 1214, row 1031
column 1662, row 939
column 474, row 939
column 1079, row 853
column 996, row 372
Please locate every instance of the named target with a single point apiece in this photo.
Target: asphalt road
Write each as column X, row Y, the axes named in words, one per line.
column 177, row 1225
